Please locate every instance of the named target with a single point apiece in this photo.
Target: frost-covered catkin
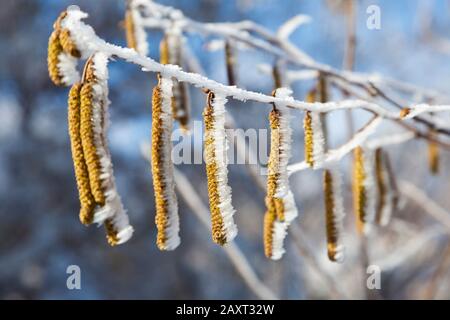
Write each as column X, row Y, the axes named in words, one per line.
column 334, row 209
column 129, row 30
column 87, row 201
column 62, row 55
column 364, row 189
column 167, row 219
column 281, row 208
column 171, row 52
column 54, row 51
column 387, row 193
column 94, row 119
column 314, row 135
column 134, row 31
column 216, row 145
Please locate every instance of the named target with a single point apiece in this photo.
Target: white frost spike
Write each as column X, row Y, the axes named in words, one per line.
column 283, row 190
column 68, row 68
column 221, row 147
column 173, row 221
column 113, row 208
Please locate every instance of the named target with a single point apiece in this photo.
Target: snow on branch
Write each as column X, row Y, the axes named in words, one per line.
column 88, row 42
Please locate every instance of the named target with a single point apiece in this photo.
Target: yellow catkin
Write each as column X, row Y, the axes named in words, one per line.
column 359, row 190
column 381, row 184
column 159, row 186
column 275, row 206
column 164, row 51
column 68, row 44
column 218, row 231
column 269, row 220
column 308, row 130
column 330, row 216
column 87, row 201
column 89, row 143
column 59, row 42
column 433, row 155
column 129, row 30
column 111, row 233
column 182, row 112
column 54, row 50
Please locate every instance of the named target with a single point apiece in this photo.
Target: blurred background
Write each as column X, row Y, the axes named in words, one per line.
column 40, row 234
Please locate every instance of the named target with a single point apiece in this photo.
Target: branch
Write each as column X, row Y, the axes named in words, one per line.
column 88, row 42
column 426, row 203
column 162, row 17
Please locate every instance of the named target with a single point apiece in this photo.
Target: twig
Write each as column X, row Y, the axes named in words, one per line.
column 436, row 278
column 88, row 42
column 426, row 203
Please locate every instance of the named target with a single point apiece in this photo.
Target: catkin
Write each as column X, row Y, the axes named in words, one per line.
column 89, row 143
column 54, row 50
column 281, row 209
column 167, row 221
column 170, row 50
column 164, row 51
column 381, row 184
column 333, row 216
column 129, row 30
column 87, row 201
column 359, row 192
column 272, row 214
column 110, row 211
column 386, row 187
column 308, row 131
column 365, row 196
column 313, row 134
column 68, row 44
column 433, row 155
column 223, row 227
column 62, row 55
